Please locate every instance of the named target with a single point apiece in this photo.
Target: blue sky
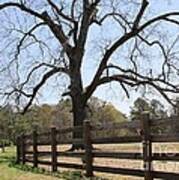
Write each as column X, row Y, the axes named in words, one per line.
column 50, row 93
column 112, row 92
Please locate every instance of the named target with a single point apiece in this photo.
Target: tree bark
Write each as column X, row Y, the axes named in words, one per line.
column 3, row 146
column 79, row 115
column 78, row 100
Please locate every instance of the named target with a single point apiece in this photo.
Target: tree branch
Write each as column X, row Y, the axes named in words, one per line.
column 134, row 32
column 21, row 7
column 105, row 59
column 39, row 85
column 133, row 81
column 88, row 10
column 158, row 18
column 56, row 29
column 140, row 14
column 60, row 13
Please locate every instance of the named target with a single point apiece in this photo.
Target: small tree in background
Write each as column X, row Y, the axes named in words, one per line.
column 155, row 109
column 140, row 105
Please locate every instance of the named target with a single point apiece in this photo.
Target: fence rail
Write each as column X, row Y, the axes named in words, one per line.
column 145, row 137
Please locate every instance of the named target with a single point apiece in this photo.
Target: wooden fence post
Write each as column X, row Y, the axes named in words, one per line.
column 35, row 150
column 147, row 146
column 3, row 146
column 54, row 149
column 18, row 154
column 23, row 148
column 88, row 149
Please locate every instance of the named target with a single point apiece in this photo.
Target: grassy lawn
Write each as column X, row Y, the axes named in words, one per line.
column 10, row 171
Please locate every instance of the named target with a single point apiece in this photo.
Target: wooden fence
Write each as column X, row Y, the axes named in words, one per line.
column 4, row 143
column 146, row 137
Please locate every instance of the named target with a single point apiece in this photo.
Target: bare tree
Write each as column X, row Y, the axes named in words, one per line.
column 45, row 39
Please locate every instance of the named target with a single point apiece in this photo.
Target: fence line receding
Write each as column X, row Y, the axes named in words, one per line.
column 145, row 136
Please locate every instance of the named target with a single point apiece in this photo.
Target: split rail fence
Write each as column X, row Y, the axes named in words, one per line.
column 145, row 137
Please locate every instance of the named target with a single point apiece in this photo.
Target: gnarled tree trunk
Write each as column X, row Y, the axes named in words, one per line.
column 79, row 116
column 77, row 96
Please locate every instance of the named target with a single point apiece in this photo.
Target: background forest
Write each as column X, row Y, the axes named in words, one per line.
column 42, row 117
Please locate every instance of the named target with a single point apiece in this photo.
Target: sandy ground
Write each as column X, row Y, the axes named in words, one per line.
column 167, row 148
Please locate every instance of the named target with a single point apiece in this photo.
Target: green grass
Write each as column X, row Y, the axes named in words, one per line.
column 11, row 171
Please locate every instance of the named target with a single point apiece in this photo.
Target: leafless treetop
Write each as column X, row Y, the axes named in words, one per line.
column 124, row 40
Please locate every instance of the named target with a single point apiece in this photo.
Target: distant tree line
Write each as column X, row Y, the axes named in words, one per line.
column 100, row 112
column 45, row 116
column 154, row 107
column 156, row 110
